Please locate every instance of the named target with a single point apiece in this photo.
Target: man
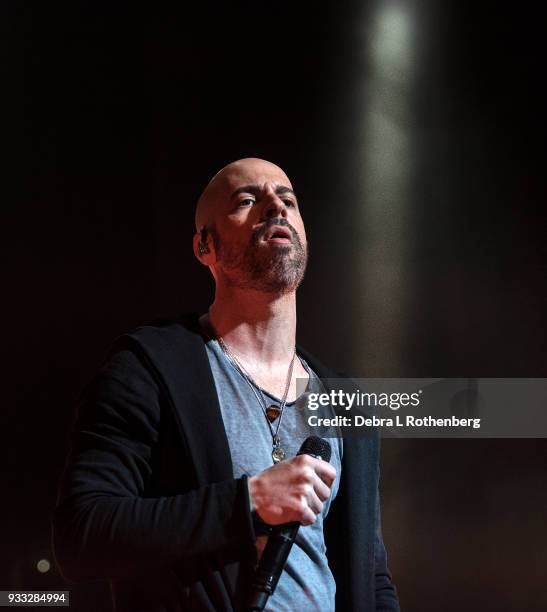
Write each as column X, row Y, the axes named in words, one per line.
column 184, row 452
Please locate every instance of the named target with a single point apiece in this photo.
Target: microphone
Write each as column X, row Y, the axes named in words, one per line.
column 280, row 541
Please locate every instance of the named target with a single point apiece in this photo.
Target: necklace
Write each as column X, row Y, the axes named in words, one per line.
column 270, row 412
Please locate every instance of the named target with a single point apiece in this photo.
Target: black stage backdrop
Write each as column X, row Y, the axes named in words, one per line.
column 414, row 135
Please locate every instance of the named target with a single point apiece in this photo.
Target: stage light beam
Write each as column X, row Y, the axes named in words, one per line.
column 386, row 163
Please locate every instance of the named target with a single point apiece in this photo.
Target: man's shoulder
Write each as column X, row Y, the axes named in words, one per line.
column 161, row 342
column 171, row 351
column 163, row 333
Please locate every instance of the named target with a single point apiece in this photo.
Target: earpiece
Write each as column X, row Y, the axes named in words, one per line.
column 202, row 244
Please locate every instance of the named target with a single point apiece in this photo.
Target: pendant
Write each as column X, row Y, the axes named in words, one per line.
column 278, row 454
column 272, row 412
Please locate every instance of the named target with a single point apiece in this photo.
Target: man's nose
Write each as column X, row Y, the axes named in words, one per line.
column 275, row 207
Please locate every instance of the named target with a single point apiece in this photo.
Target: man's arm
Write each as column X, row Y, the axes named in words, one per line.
column 106, row 525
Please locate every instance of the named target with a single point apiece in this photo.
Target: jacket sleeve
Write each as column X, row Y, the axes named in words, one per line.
column 386, row 594
column 107, row 524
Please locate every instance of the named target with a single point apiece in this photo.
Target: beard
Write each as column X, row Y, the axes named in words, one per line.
column 279, row 270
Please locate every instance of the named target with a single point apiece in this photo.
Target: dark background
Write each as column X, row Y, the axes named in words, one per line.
column 118, row 116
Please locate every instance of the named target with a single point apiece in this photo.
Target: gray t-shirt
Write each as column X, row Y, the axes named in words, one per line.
column 306, row 582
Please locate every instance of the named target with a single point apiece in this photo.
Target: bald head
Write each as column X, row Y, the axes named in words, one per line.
column 247, row 171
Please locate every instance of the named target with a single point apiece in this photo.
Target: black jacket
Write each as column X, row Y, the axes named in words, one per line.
column 148, row 500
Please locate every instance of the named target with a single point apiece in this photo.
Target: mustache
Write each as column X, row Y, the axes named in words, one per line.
column 281, row 221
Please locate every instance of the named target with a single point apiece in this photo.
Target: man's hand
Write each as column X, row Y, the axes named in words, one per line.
column 292, row 490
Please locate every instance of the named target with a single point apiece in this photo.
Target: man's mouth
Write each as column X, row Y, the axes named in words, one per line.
column 278, row 234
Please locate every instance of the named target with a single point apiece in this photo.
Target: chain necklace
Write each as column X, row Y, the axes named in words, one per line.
column 270, row 412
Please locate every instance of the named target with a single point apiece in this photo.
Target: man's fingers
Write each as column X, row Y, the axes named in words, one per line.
column 315, row 503
column 321, row 489
column 308, row 515
column 325, row 471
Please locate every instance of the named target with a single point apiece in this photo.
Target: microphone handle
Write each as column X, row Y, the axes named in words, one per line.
column 280, row 541
column 275, row 555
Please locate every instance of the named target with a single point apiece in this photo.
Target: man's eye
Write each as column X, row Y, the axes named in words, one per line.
column 289, row 203
column 247, row 202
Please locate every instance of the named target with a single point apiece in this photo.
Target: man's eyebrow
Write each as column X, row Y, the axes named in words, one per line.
column 255, row 189
column 282, row 189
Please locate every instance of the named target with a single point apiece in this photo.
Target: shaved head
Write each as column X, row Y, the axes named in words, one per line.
column 219, row 187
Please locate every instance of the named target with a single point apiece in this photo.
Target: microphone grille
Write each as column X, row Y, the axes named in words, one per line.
column 317, row 447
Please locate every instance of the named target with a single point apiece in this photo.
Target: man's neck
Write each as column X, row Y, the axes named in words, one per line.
column 257, row 326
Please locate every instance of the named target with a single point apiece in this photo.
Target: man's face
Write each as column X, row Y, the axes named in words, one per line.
column 258, row 233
